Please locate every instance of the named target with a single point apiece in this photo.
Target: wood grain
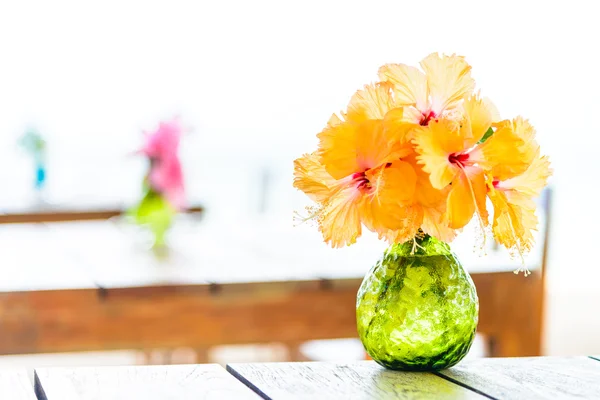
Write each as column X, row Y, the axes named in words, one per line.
column 361, row 380
column 32, row 259
column 512, row 330
column 115, row 254
column 151, row 382
column 174, row 316
column 15, row 385
column 49, row 321
column 531, row 377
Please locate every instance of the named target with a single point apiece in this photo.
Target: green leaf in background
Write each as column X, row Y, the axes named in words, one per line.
column 486, row 135
column 33, row 141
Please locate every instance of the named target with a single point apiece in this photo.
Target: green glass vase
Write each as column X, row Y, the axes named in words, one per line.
column 156, row 213
column 417, row 309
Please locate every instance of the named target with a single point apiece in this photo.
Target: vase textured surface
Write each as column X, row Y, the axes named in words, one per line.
column 417, row 309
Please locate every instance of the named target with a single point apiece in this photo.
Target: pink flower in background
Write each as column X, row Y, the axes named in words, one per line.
column 166, row 176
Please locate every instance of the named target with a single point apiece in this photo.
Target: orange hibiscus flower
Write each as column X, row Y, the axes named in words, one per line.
column 419, row 151
column 512, row 193
column 358, row 176
column 452, row 154
column 435, row 93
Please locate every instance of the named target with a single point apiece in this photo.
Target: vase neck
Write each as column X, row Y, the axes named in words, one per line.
column 421, row 245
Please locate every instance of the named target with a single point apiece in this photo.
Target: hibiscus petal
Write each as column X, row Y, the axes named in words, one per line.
column 478, row 119
column 412, row 217
column 350, row 148
column 373, row 102
column 399, row 133
column 513, row 224
column 448, row 79
column 477, row 180
column 339, row 220
column 334, row 120
column 410, row 84
column 310, row 177
column 374, row 147
column 504, row 153
column 436, row 225
column 435, row 143
column 523, row 129
column 388, row 203
column 393, row 183
column 460, row 205
column 337, row 149
column 533, row 180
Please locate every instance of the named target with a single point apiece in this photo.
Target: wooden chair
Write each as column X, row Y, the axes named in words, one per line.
column 511, row 307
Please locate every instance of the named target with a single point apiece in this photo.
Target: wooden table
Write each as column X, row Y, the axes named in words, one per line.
column 61, row 213
column 499, row 378
column 84, row 286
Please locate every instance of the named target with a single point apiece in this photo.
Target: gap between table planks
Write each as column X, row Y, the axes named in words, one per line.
column 359, row 380
column 529, row 377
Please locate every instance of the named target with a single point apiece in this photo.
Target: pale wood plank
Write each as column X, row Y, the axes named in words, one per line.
column 32, row 259
column 15, row 385
column 360, row 380
column 530, row 377
column 117, row 255
column 245, row 252
column 181, row 382
column 279, row 240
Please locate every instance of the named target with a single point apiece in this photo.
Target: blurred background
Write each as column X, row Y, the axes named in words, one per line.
column 255, row 82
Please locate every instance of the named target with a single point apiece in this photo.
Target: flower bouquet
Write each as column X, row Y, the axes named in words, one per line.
column 414, row 158
column 164, row 193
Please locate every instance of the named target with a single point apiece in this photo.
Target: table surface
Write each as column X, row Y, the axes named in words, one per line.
column 491, row 378
column 114, row 254
column 204, row 381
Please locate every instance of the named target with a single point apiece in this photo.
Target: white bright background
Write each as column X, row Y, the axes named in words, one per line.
column 256, row 80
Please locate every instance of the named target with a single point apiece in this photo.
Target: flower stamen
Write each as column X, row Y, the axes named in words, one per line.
column 426, row 117
column 459, row 159
column 361, row 180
